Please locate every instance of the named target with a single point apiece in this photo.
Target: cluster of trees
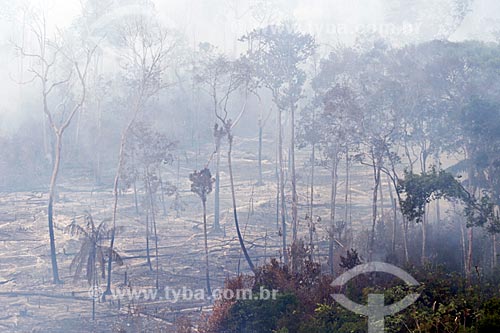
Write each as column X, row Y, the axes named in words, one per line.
column 405, row 111
column 75, row 88
column 406, row 115
column 396, row 116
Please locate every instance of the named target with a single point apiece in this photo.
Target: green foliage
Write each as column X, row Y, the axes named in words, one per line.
column 479, row 120
column 447, row 304
column 260, row 315
column 351, row 259
column 422, row 189
column 201, row 183
column 334, row 318
column 482, row 213
column 490, row 320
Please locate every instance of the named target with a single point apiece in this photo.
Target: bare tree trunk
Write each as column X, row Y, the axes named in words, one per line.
column 311, row 209
column 57, row 159
column 46, row 142
column 207, row 272
column 278, row 176
column 438, row 201
column 331, row 244
column 50, row 212
column 438, row 211
column 107, row 292
column 333, row 199
column 394, row 226
column 470, row 232
column 265, row 248
column 153, row 219
column 376, row 176
column 381, row 193
column 494, row 241
column 405, row 239
column 407, row 150
column 464, row 251
column 260, row 182
column 333, row 192
column 177, row 199
column 423, row 166
column 294, row 178
column 394, row 215
column 96, row 144
column 235, row 212
column 404, row 223
column 470, row 236
column 43, row 73
column 347, row 189
column 217, row 191
column 278, row 187
column 134, row 184
column 136, row 202
column 94, row 278
column 119, row 168
column 282, row 188
column 424, row 240
column 77, row 130
column 162, row 194
column 148, row 255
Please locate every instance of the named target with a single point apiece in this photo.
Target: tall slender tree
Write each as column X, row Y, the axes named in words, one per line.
column 50, row 58
column 276, row 54
column 201, row 184
column 147, row 47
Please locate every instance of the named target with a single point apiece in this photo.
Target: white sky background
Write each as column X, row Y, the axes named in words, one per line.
column 331, row 21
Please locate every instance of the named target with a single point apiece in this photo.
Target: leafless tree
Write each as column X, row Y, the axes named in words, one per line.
column 51, row 57
column 146, row 48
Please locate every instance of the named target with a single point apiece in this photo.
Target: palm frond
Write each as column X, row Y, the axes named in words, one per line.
column 74, row 229
column 80, row 259
column 108, row 233
column 103, row 226
column 92, row 255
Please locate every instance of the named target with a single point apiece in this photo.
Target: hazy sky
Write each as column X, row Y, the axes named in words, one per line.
column 220, row 22
column 216, row 19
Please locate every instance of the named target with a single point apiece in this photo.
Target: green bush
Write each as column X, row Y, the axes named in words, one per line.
column 490, row 320
column 260, row 316
column 448, row 303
